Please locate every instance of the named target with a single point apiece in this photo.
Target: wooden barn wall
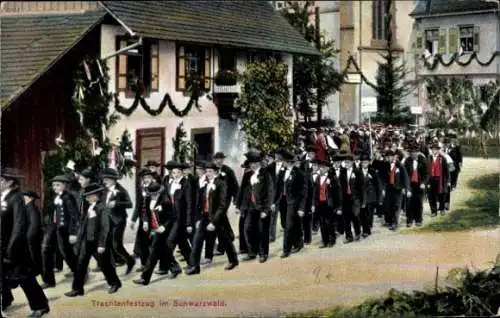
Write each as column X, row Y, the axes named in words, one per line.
column 31, row 125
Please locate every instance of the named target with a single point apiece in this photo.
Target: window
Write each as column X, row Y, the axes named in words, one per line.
column 138, row 68
column 467, row 39
column 193, row 60
column 432, row 40
column 227, row 59
column 262, row 56
column 379, row 19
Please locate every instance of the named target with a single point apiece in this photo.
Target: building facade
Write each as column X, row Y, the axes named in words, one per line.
column 455, row 39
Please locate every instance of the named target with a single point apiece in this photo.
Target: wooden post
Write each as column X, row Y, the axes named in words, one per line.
column 319, row 106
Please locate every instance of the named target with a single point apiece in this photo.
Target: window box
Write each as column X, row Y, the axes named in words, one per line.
column 226, row 78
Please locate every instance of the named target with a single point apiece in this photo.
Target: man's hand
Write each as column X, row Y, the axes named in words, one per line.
column 72, row 239
column 101, row 250
column 197, row 224
column 263, row 215
column 210, row 227
column 339, row 212
column 301, row 213
column 160, row 229
column 408, row 194
column 145, row 226
column 111, row 204
column 313, row 209
column 189, row 229
column 422, row 186
column 273, row 207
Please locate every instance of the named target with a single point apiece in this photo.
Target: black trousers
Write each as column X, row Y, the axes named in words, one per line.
column 454, row 177
column 350, row 212
column 415, row 207
column 176, row 236
column 392, row 205
column 49, row 252
column 291, row 222
column 142, row 244
column 327, row 228
column 366, row 217
column 241, row 230
column 58, row 260
column 33, row 291
column 159, row 250
column 257, row 233
column 435, row 197
column 315, row 222
column 117, row 231
column 87, row 249
column 273, row 225
column 307, row 226
column 65, row 248
column 35, row 249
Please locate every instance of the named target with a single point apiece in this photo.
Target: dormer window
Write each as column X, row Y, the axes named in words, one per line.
column 138, row 69
column 193, row 61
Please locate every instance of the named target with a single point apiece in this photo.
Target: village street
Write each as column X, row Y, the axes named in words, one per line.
column 312, row 279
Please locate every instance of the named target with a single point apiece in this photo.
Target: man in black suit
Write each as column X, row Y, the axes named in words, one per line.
column 274, row 169
column 94, row 239
column 326, row 202
column 439, row 180
column 290, row 199
column 211, row 220
column 259, row 197
column 242, row 207
column 455, row 153
column 397, row 185
column 16, row 266
column 372, row 194
column 418, row 175
column 351, row 181
column 61, row 231
column 232, row 183
column 34, row 235
column 117, row 201
column 155, row 167
column 307, row 167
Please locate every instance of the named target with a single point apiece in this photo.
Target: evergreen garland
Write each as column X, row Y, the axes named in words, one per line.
column 455, row 58
column 194, row 87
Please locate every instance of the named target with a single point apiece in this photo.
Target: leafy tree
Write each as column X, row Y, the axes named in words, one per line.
column 184, row 150
column 264, row 105
column 391, row 87
column 314, row 77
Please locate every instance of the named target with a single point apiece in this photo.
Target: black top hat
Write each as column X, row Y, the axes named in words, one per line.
column 146, row 172
column 211, row 165
column 11, row 173
column 175, row 165
column 93, row 188
column 390, row 152
column 245, row 165
column 109, row 173
column 153, row 187
column 365, row 157
column 152, row 163
column 435, row 145
column 219, row 155
column 253, row 156
column 87, row 173
column 348, row 157
column 31, row 194
column 61, row 178
column 288, row 156
column 200, row 164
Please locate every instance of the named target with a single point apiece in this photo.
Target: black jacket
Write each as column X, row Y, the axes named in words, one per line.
column 122, row 202
column 95, row 227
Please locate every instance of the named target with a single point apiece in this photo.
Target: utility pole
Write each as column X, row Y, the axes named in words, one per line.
column 319, row 104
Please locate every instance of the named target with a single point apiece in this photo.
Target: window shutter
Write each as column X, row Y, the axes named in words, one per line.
column 452, row 40
column 122, row 68
column 476, row 39
column 442, row 41
column 419, row 41
column 206, row 75
column 155, row 66
column 181, row 69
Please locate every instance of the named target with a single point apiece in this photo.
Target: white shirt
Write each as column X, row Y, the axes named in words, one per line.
column 209, row 185
column 349, row 172
column 254, row 178
column 202, row 181
column 392, row 165
column 365, row 172
column 152, row 203
column 415, row 164
column 322, row 179
column 5, row 193
column 287, row 174
column 175, row 186
column 91, row 212
column 110, row 193
column 278, row 167
column 315, row 177
column 337, row 172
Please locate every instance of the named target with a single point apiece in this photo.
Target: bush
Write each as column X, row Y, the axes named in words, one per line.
column 469, row 293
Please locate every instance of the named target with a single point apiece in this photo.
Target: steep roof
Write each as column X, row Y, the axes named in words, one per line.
column 31, row 44
column 432, row 7
column 246, row 24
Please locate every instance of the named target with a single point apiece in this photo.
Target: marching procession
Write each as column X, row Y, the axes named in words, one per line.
column 336, row 182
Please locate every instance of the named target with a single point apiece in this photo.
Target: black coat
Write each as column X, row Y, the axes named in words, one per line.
column 66, row 214
column 95, row 228
column 231, row 181
column 34, row 233
column 180, row 205
column 422, row 169
column 401, row 181
column 241, row 202
column 356, row 184
column 262, row 191
column 456, row 154
column 295, row 187
column 122, row 200
column 372, row 187
column 333, row 195
column 160, row 209
column 16, row 259
column 217, row 204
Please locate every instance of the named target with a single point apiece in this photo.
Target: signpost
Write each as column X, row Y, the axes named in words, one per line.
column 416, row 110
column 368, row 106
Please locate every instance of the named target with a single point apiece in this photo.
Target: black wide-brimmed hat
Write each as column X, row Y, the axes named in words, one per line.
column 365, row 157
column 288, row 156
column 109, row 173
column 152, row 163
column 30, row 193
column 199, row 164
column 176, row 165
column 146, row 172
column 87, row 173
column 348, row 157
column 211, row 165
column 154, row 187
column 245, row 164
column 219, row 155
column 11, row 173
column 61, row 178
column 93, row 188
column 253, row 156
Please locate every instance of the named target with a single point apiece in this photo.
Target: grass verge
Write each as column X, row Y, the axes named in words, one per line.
column 480, row 211
column 467, row 293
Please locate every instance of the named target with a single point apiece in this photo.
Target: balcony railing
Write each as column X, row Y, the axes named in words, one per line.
column 227, row 89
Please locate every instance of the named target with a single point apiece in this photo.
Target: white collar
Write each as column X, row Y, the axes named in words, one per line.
column 112, row 188
column 178, row 180
column 5, row 193
column 211, row 181
column 256, row 172
column 91, row 207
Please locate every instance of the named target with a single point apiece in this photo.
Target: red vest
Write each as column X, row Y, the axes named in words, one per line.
column 322, row 191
